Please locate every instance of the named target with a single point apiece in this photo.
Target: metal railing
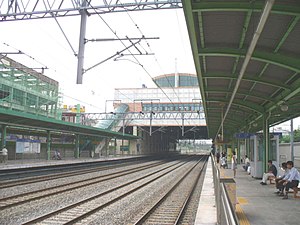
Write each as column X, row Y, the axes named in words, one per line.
column 225, row 212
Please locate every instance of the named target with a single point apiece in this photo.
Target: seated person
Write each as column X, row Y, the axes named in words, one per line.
column 292, row 178
column 56, row 155
column 223, row 161
column 249, row 170
column 272, row 171
column 247, row 163
column 280, row 180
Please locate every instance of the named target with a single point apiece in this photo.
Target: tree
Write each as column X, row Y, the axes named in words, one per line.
column 297, row 135
column 287, row 138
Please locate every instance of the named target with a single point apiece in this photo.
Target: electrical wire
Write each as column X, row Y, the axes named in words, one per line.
column 138, row 62
column 86, row 103
column 29, row 56
column 156, row 60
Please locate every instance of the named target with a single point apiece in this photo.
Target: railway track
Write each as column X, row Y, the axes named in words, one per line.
column 30, row 180
column 83, row 211
column 51, row 191
column 170, row 208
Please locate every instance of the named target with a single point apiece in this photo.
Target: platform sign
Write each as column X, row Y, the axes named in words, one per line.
column 28, row 146
column 124, row 148
column 19, row 147
column 243, row 135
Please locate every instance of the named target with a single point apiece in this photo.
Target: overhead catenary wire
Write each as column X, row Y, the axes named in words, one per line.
column 24, row 53
column 156, row 60
column 81, row 101
column 138, row 62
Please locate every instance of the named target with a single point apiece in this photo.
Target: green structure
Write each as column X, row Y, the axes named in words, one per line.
column 24, row 89
column 246, row 54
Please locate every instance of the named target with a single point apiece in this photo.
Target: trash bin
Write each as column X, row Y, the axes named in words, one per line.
column 230, row 186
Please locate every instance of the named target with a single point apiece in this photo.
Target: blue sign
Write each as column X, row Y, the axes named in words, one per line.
column 243, row 135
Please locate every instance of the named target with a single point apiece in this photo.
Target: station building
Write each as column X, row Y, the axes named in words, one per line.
column 163, row 115
column 26, row 90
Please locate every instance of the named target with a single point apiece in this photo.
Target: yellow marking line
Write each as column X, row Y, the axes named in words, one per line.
column 242, row 201
column 240, row 212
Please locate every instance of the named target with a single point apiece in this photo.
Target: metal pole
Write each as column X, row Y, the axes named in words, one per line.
column 81, row 49
column 48, row 145
column 3, row 135
column 266, row 142
column 292, row 140
column 222, row 123
column 77, row 147
column 150, row 133
column 124, row 125
column 78, row 113
column 182, row 130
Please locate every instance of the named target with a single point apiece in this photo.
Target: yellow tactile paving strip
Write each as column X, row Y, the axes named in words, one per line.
column 241, row 201
column 240, row 212
column 241, row 215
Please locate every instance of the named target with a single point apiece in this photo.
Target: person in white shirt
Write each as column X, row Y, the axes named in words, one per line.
column 280, row 179
column 291, row 180
column 4, row 154
column 233, row 163
column 247, row 163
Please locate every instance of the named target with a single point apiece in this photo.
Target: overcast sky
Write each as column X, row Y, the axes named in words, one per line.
column 44, row 41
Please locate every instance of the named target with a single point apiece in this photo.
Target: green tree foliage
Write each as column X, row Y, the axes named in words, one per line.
column 297, row 135
column 287, row 138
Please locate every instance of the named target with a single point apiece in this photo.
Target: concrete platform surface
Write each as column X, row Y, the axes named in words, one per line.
column 258, row 205
column 207, row 211
column 27, row 163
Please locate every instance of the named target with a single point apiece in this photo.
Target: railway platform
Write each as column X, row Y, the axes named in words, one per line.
column 258, row 204
column 28, row 163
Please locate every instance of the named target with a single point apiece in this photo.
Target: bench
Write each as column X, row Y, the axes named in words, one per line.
column 272, row 179
column 296, row 189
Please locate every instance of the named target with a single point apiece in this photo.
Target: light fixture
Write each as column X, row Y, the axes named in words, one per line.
column 284, row 107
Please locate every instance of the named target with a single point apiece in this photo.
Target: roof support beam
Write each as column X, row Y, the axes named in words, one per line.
column 291, row 63
column 284, row 9
column 202, row 38
column 250, row 106
column 189, row 17
column 243, row 35
column 239, row 111
column 259, row 29
column 286, row 34
column 252, row 79
column 254, row 95
column 287, row 95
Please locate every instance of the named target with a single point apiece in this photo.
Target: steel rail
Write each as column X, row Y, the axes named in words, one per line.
column 146, row 215
column 10, row 201
column 84, row 215
column 16, row 182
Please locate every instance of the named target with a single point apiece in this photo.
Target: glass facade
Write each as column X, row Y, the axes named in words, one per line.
column 26, row 90
column 166, row 101
column 172, row 107
column 184, row 80
column 168, row 95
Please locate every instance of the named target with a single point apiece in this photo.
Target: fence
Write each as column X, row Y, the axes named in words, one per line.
column 225, row 210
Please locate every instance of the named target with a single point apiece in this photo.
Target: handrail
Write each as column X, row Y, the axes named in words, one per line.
column 231, row 218
column 225, row 213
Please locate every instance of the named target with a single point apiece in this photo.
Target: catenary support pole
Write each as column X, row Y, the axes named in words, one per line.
column 81, row 48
